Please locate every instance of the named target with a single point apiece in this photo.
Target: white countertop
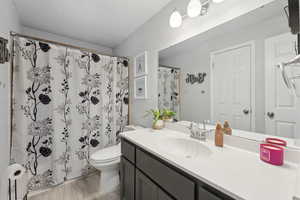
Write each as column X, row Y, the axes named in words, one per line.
column 236, row 172
column 246, row 134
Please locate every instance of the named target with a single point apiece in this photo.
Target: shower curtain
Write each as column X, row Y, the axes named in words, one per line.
column 67, row 104
column 168, row 89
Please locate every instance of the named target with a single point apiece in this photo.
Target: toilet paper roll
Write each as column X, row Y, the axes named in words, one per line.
column 15, row 171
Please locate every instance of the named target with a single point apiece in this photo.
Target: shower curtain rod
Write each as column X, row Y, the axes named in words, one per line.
column 165, row 66
column 63, row 44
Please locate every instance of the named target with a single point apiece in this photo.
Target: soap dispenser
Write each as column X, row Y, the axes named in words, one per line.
column 219, row 138
column 227, row 129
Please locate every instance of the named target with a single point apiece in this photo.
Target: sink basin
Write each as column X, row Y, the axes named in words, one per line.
column 185, row 148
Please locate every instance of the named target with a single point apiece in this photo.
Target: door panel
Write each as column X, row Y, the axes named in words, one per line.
column 232, row 86
column 163, row 196
column 206, row 195
column 285, row 129
column 145, row 188
column 127, row 180
column 181, row 187
column 281, row 106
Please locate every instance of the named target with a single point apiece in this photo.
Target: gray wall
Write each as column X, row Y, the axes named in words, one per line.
column 198, row 60
column 59, row 38
column 156, row 35
column 8, row 21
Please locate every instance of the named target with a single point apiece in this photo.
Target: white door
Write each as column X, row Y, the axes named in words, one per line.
column 231, row 86
column 281, row 106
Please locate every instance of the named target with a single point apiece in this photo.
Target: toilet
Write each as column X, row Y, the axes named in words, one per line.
column 107, row 161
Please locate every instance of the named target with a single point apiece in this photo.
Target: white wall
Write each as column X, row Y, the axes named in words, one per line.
column 198, row 60
column 63, row 39
column 156, row 35
column 8, row 21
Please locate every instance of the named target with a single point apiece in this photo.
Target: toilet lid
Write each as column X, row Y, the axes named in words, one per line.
column 107, row 154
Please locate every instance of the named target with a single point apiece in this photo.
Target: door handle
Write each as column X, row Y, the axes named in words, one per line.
column 246, row 111
column 271, row 115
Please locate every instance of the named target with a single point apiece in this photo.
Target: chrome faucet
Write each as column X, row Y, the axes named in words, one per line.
column 204, row 124
column 197, row 132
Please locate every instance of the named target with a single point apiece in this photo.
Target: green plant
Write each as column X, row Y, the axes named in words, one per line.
column 156, row 114
column 168, row 114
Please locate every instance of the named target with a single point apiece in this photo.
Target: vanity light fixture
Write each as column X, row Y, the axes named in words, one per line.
column 175, row 19
column 194, row 9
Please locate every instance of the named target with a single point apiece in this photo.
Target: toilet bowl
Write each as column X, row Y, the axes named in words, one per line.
column 107, row 161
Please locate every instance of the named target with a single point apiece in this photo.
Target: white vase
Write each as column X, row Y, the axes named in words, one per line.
column 169, row 120
column 159, row 124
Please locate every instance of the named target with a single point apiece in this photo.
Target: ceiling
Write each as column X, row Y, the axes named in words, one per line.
column 102, row 22
column 267, row 12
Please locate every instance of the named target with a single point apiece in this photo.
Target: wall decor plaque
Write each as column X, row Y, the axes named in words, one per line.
column 195, row 78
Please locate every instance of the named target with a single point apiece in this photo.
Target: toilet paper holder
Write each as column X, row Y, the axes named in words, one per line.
column 9, row 189
column 15, row 173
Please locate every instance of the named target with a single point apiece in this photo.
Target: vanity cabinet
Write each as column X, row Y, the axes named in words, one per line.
column 206, row 193
column 127, row 176
column 163, row 196
column 173, row 182
column 146, row 177
column 147, row 190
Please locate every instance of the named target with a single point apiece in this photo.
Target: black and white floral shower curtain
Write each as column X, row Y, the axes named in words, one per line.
column 67, row 104
column 168, row 89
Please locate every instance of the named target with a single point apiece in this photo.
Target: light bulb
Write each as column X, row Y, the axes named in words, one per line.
column 194, row 8
column 217, row 1
column 175, row 19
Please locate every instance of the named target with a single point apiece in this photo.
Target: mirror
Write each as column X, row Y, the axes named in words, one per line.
column 232, row 73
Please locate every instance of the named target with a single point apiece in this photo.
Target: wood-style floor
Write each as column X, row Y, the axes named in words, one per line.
column 82, row 189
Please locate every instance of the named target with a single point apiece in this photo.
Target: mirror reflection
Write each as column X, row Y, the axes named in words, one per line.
column 232, row 73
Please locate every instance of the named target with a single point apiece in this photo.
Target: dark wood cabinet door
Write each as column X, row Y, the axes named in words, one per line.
column 206, row 195
column 145, row 189
column 209, row 193
column 127, row 180
column 176, row 184
column 163, row 196
column 128, row 151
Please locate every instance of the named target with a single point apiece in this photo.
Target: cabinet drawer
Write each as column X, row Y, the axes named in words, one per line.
column 208, row 193
column 128, row 151
column 176, row 184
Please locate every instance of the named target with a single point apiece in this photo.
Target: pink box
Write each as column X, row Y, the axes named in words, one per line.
column 276, row 141
column 272, row 154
